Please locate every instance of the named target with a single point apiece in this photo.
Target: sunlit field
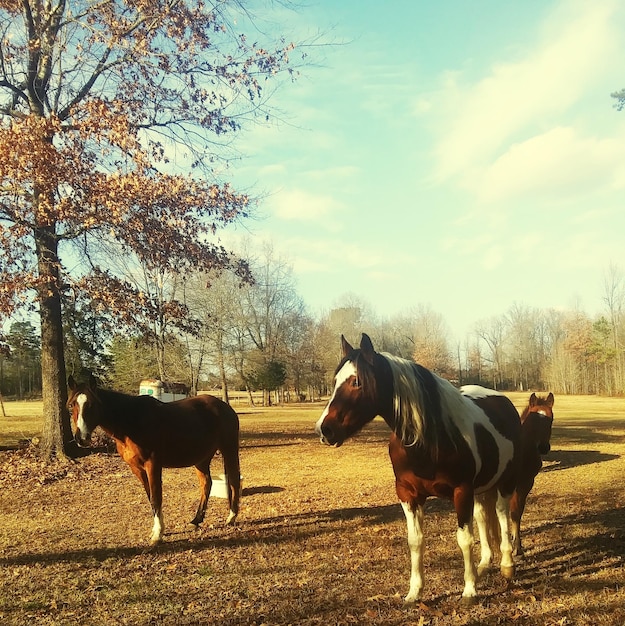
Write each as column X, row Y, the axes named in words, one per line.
column 320, row 538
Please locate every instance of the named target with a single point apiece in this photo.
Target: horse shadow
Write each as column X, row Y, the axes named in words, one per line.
column 566, row 459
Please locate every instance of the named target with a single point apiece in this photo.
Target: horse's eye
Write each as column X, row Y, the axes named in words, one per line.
column 355, row 383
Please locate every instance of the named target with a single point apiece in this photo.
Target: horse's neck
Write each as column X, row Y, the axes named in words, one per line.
column 528, row 432
column 117, row 413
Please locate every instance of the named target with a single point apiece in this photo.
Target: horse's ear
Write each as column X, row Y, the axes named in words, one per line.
column 71, row 383
column 93, row 382
column 533, row 400
column 345, row 346
column 550, row 400
column 366, row 348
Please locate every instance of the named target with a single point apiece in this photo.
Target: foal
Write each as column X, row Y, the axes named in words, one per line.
column 536, row 423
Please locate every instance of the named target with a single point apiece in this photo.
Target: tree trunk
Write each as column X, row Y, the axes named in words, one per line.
column 57, row 437
column 222, row 373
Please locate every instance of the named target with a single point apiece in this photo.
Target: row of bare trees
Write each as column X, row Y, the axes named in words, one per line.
column 260, row 336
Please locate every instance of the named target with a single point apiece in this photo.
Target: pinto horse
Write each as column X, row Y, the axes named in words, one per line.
column 536, row 423
column 151, row 435
column 443, row 444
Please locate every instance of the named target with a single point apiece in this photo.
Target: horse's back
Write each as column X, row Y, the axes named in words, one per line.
column 187, row 431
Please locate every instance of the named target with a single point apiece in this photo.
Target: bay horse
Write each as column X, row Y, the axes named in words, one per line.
column 536, row 424
column 443, row 444
column 150, row 435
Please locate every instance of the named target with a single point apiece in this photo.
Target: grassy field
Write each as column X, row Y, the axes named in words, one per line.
column 320, row 539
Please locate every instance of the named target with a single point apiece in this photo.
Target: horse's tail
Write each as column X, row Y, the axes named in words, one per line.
column 493, row 529
column 230, row 452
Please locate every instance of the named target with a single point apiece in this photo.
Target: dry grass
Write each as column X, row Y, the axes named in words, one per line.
column 320, row 539
column 21, row 422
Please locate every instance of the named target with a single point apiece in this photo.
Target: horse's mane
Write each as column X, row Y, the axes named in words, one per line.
column 420, row 417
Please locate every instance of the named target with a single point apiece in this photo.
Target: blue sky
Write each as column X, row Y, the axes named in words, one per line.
column 463, row 156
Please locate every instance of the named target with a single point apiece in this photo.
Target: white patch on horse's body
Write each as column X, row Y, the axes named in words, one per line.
column 81, row 400
column 466, row 415
column 348, row 370
column 477, row 391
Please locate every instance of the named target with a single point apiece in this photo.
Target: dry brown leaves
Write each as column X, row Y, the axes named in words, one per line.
column 320, row 540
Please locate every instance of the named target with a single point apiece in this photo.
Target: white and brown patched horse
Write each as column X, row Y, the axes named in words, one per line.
column 443, row 444
column 150, row 435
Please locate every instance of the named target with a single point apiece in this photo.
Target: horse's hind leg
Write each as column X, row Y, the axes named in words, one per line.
column 232, row 469
column 503, row 508
column 206, row 482
column 517, row 506
column 483, row 513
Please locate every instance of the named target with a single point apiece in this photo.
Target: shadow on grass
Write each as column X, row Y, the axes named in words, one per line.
column 594, row 431
column 273, row 530
column 601, row 545
column 565, row 459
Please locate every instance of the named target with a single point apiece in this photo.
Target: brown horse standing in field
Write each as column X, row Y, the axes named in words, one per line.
column 536, row 423
column 151, row 435
column 443, row 444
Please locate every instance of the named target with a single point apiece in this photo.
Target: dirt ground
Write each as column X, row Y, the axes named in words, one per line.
column 320, row 538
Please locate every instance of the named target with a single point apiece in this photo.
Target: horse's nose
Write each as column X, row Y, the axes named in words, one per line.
column 83, row 442
column 327, row 433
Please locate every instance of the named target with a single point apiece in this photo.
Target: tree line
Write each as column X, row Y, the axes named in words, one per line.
column 261, row 337
column 118, row 123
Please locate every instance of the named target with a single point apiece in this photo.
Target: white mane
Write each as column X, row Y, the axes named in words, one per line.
column 412, row 422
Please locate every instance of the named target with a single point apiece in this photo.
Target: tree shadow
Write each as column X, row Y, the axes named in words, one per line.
column 591, row 551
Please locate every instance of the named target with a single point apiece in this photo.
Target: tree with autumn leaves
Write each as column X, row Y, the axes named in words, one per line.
column 113, row 117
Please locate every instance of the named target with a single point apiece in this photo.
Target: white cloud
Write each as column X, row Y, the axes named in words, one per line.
column 300, row 205
column 558, row 164
column 577, row 45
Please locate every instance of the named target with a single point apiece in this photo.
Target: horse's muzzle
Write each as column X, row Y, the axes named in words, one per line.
column 82, row 441
column 329, row 437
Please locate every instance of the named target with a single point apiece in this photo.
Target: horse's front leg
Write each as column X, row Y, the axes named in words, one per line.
column 414, row 522
column 517, row 506
column 463, row 502
column 155, row 480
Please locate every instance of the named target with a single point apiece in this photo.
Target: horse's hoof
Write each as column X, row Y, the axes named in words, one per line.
column 155, row 541
column 231, row 517
column 482, row 569
column 468, row 601
column 507, row 571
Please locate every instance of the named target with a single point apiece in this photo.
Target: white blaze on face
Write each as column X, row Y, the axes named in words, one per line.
column 348, row 370
column 81, row 400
